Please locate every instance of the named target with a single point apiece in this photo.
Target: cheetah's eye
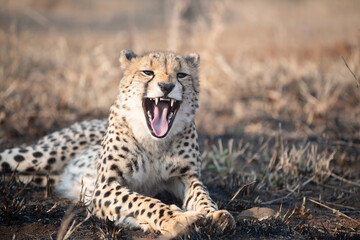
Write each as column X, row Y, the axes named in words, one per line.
column 181, row 75
column 148, row 73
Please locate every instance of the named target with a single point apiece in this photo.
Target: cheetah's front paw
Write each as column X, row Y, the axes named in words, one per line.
column 221, row 220
column 179, row 223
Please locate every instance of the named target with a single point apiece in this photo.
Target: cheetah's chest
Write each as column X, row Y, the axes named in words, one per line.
column 151, row 176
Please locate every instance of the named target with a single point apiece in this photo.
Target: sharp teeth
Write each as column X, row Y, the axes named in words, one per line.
column 149, row 115
column 170, row 115
column 156, row 101
column 172, row 102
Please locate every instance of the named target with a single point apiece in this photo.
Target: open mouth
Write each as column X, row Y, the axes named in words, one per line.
column 160, row 114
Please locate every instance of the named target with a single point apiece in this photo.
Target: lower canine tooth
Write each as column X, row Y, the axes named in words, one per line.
column 156, row 100
column 172, row 102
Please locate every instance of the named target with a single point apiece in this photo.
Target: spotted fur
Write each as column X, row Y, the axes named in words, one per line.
column 119, row 165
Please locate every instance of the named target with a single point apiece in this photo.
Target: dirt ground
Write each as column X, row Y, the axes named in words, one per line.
column 279, row 120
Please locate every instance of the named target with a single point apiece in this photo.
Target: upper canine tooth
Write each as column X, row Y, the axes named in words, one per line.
column 156, row 100
column 172, row 102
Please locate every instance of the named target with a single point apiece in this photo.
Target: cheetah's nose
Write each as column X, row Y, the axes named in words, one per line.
column 166, row 88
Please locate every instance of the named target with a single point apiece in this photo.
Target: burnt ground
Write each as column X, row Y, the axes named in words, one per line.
column 28, row 212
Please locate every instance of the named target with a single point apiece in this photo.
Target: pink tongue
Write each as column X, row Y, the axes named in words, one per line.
column 159, row 124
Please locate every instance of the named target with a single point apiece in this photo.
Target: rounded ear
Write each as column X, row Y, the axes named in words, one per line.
column 125, row 58
column 193, row 59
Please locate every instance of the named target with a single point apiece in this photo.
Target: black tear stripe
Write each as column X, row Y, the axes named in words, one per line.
column 146, row 87
column 182, row 85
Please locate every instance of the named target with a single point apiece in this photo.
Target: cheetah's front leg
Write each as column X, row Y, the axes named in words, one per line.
column 197, row 198
column 123, row 206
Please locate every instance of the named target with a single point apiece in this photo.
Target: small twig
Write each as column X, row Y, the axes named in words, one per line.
column 344, row 180
column 73, row 227
column 335, row 211
column 240, row 189
column 341, row 205
column 52, row 208
column 356, row 78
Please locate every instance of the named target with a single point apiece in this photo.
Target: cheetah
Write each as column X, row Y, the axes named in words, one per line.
column 147, row 145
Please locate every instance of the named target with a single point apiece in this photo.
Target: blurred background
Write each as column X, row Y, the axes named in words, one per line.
column 263, row 63
column 279, row 110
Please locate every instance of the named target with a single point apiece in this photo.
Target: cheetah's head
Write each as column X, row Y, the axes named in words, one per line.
column 164, row 86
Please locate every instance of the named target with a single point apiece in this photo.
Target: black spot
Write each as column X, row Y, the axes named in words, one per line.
column 186, row 144
column 130, row 205
column 149, row 214
column 125, row 149
column 34, row 161
column 118, row 193
column 23, row 150
column 103, row 178
column 170, row 213
column 83, row 142
column 30, row 169
column 48, row 167
column 19, row 158
column 51, row 160
column 64, row 147
column 53, row 153
column 38, row 180
column 136, row 212
column 135, row 199
column 111, row 179
column 184, row 169
column 117, row 210
column 152, row 205
column 6, row 167
column 125, row 198
column 114, row 167
column 51, row 181
column 107, row 194
column 161, row 213
column 75, row 148
column 97, row 193
column 63, row 158
column 173, row 170
column 142, row 212
column 107, row 203
column 181, row 152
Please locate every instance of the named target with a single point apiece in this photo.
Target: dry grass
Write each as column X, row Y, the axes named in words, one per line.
column 272, row 79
